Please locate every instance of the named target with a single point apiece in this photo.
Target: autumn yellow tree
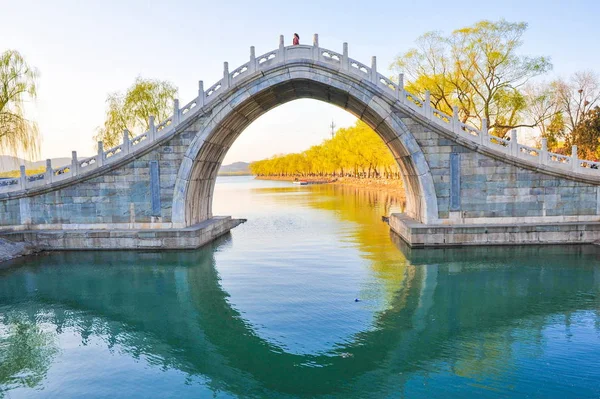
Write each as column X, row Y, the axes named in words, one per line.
column 355, row 151
column 478, row 69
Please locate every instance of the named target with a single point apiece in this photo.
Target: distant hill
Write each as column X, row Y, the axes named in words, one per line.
column 8, row 163
column 236, row 168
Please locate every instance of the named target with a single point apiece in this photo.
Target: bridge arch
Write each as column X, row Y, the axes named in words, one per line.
column 236, row 110
column 458, row 179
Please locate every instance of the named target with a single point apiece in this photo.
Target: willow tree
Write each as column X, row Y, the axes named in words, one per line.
column 131, row 110
column 17, row 85
column 476, row 68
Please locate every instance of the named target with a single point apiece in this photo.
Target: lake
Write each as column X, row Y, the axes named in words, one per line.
column 311, row 297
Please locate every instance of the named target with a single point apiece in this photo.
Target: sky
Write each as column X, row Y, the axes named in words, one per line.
column 86, row 49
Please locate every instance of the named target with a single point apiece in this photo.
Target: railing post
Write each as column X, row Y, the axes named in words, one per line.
column 400, row 88
column 514, row 144
column 74, row 163
column 281, row 49
column 455, row 120
column 574, row 159
column 544, row 152
column 100, row 158
column 374, row 69
column 427, row 104
column 484, row 136
column 151, row 128
column 49, row 171
column 126, row 142
column 201, row 95
column 23, row 177
column 176, row 112
column 345, row 59
column 225, row 82
column 252, row 63
column 316, row 47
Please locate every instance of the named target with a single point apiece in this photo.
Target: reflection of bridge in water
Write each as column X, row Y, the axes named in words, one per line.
column 179, row 303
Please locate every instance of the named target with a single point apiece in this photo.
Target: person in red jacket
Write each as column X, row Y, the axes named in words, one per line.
column 296, row 40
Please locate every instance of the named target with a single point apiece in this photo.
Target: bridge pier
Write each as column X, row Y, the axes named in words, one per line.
column 125, row 239
column 419, row 235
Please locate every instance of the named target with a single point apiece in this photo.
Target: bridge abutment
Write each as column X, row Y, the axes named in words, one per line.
column 125, row 238
column 419, row 235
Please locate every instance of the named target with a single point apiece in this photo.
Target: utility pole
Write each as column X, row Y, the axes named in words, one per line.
column 332, row 126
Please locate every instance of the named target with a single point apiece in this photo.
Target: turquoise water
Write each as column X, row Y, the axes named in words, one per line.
column 269, row 311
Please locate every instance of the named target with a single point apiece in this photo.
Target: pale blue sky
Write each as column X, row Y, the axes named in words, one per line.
column 85, row 49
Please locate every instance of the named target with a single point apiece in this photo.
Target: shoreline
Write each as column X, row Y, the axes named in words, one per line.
column 10, row 250
column 391, row 186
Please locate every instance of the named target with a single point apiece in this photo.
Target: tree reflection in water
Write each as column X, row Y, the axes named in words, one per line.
column 26, row 352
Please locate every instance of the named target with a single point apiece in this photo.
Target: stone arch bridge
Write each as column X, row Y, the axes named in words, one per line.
column 463, row 186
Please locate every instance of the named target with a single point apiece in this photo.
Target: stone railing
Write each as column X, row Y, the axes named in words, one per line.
column 290, row 54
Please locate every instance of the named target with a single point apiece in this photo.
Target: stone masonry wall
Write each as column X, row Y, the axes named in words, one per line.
column 10, row 213
column 107, row 199
column 491, row 188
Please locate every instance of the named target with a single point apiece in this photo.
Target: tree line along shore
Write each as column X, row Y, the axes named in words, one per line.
column 354, row 156
column 355, row 152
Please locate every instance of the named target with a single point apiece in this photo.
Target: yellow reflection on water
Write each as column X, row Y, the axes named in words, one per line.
column 363, row 209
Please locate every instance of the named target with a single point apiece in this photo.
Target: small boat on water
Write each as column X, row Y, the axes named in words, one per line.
column 305, row 182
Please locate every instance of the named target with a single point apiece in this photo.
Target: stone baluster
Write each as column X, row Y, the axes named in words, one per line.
column 100, row 158
column 400, row 89
column 316, row 47
column 151, row 129
column 374, row 69
column 345, row 59
column 226, row 78
column 514, row 144
column 455, row 120
column 252, row 63
column 544, row 152
column 574, row 159
column 176, row 113
column 281, row 54
column 427, row 111
column 74, row 163
column 126, row 142
column 49, row 171
column 484, row 137
column 201, row 94
column 22, row 177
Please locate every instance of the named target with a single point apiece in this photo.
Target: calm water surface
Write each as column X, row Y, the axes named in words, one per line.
column 269, row 312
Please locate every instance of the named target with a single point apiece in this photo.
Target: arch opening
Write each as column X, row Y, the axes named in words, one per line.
column 195, row 183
